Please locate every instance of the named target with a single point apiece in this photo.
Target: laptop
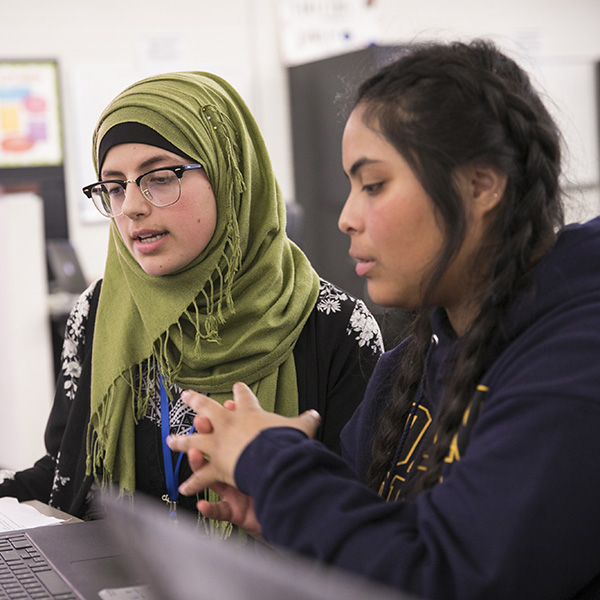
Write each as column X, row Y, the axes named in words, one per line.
column 138, row 553
column 179, row 562
column 68, row 562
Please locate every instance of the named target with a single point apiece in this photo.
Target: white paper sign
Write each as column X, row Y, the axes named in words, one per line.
column 314, row 29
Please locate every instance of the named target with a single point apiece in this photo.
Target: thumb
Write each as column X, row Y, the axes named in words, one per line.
column 308, row 422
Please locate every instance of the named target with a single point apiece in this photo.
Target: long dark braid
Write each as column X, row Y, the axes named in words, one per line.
column 446, row 106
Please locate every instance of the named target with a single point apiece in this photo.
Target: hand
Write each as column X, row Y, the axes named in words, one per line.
column 234, row 506
column 223, row 432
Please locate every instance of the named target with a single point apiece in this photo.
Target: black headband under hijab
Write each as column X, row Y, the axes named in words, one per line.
column 131, row 133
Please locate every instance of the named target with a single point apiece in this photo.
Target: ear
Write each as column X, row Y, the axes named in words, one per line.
column 487, row 185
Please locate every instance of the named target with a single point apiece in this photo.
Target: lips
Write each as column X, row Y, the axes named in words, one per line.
column 363, row 265
column 147, row 236
column 146, row 239
column 149, row 241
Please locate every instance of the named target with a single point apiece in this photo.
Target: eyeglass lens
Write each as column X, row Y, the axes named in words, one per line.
column 160, row 188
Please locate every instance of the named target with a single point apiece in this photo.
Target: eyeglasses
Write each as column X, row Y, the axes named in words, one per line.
column 161, row 187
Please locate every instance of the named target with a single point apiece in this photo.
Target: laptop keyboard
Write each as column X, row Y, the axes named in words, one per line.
column 25, row 573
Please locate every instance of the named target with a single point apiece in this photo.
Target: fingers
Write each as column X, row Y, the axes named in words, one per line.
column 182, row 443
column 220, row 511
column 308, row 422
column 205, row 406
column 199, row 402
column 197, row 481
column 202, row 424
column 243, row 396
column 196, row 459
column 233, row 506
column 223, row 432
column 222, row 489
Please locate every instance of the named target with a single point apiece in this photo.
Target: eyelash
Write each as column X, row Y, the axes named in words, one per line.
column 372, row 188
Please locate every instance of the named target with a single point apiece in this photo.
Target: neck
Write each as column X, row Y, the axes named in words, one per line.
column 461, row 318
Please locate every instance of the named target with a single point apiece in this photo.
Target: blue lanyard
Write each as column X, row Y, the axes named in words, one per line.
column 171, row 475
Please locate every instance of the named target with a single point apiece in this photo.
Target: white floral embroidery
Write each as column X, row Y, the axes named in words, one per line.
column 330, row 298
column 362, row 324
column 74, row 334
column 59, row 481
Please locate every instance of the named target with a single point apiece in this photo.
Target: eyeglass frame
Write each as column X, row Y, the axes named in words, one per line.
column 179, row 170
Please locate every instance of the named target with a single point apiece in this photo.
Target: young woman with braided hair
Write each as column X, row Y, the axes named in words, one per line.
column 478, row 435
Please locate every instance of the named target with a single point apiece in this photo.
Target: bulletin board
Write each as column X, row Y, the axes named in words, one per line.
column 31, row 139
column 30, row 124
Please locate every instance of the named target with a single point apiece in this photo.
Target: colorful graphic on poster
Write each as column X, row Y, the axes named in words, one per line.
column 30, row 128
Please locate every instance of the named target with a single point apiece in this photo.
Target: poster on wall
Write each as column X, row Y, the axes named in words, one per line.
column 30, row 125
column 310, row 30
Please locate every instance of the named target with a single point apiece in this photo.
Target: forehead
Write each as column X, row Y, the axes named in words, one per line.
column 136, row 156
column 361, row 141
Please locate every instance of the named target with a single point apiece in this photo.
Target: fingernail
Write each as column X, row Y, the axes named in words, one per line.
column 314, row 414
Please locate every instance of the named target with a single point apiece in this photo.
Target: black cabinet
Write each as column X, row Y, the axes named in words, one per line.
column 49, row 184
column 321, row 96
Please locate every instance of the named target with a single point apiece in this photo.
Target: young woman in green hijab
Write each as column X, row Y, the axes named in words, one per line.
column 202, row 288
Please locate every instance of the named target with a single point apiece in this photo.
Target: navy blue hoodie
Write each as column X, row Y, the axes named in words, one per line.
column 518, row 512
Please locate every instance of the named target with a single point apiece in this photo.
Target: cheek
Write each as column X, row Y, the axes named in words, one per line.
column 387, row 227
column 406, row 231
column 197, row 231
column 121, row 223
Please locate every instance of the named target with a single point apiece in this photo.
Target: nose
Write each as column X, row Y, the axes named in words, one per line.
column 135, row 204
column 348, row 221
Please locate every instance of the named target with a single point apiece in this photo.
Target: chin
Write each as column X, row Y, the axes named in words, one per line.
column 154, row 270
column 381, row 300
column 384, row 298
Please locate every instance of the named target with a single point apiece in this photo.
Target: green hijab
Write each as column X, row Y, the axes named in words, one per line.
column 234, row 313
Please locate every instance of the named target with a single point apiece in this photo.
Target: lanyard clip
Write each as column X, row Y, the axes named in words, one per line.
column 171, row 504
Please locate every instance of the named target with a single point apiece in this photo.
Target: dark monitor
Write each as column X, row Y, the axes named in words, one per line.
column 64, row 271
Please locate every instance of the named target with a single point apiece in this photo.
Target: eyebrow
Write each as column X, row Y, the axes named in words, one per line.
column 360, row 163
column 148, row 163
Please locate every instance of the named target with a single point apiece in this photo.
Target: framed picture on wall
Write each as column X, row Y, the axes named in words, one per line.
column 30, row 123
